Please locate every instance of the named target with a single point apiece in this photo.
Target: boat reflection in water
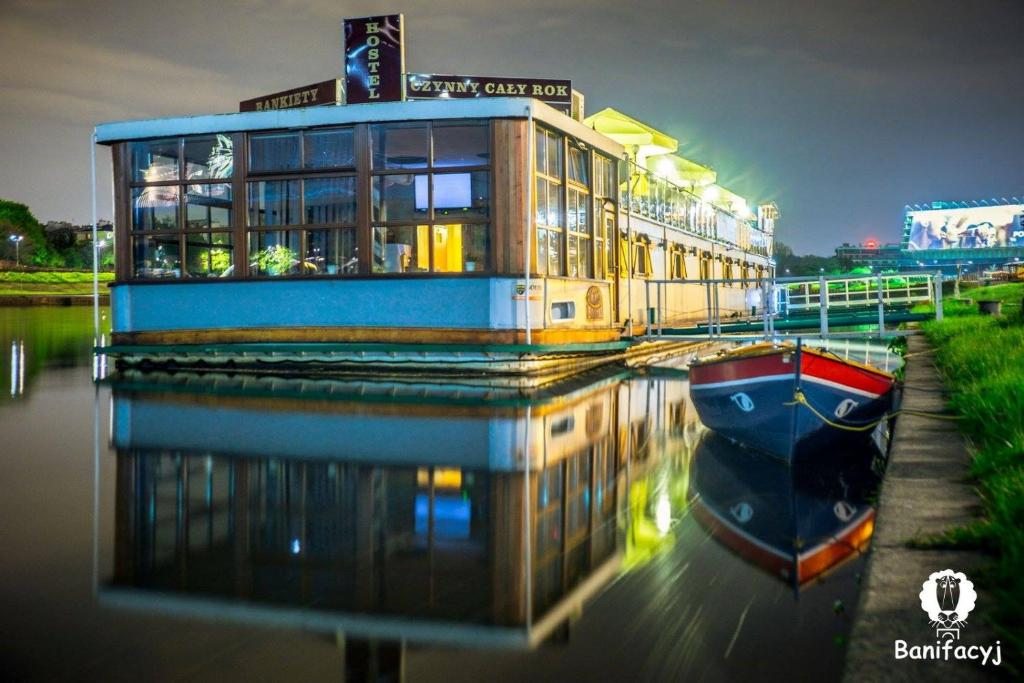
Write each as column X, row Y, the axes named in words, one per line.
column 392, row 513
column 794, row 521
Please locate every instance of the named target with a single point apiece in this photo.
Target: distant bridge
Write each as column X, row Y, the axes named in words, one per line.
column 815, row 304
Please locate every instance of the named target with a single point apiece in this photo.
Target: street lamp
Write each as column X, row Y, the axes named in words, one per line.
column 17, row 247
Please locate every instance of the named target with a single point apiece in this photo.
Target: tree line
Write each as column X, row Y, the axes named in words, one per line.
column 56, row 247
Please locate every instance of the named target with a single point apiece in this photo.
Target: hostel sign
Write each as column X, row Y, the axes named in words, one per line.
column 432, row 86
column 374, row 59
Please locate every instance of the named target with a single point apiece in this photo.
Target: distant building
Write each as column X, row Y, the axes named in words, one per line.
column 82, row 233
column 953, row 237
column 871, row 254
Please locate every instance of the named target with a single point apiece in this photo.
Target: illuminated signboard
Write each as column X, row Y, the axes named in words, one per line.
column 975, row 227
column 326, row 92
column 557, row 93
column 374, row 59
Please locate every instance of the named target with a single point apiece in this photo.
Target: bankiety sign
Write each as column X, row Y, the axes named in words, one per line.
column 374, row 59
column 431, row 86
column 326, row 92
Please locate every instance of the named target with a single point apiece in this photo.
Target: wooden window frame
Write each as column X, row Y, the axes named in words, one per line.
column 431, row 219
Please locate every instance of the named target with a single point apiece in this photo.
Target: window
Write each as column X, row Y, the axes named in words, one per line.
column 637, row 255
column 642, row 259
column 549, row 154
column 435, row 219
column 182, row 210
column 706, row 266
column 301, row 206
column 605, row 190
column 677, row 262
column 579, row 253
column 423, row 203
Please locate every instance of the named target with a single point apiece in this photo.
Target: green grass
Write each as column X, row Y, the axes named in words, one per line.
column 56, row 283
column 981, row 359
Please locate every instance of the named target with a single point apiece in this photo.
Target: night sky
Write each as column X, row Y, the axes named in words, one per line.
column 840, row 112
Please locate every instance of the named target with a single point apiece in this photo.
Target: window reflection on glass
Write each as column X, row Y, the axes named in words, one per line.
column 208, row 206
column 540, row 160
column 605, row 184
column 155, row 208
column 397, row 146
column 274, row 253
column 273, row 152
column 573, row 253
column 332, row 252
column 209, row 157
column 554, row 149
column 579, row 255
column 274, row 202
column 330, row 200
column 542, row 201
column 155, row 161
column 402, row 249
column 554, row 253
column 329, row 148
column 554, row 207
column 395, row 197
column 577, row 211
column 461, row 145
column 578, row 165
column 157, row 256
column 209, row 254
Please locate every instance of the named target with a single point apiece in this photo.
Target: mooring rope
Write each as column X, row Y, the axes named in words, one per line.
column 799, row 398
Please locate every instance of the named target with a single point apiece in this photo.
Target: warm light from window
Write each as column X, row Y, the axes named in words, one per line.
column 444, row 477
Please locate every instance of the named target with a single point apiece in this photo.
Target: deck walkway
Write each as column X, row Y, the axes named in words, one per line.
column 926, row 490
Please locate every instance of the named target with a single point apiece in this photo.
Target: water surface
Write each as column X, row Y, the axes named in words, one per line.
column 177, row 526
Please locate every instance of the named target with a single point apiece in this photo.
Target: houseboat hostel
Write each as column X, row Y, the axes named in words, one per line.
column 450, row 227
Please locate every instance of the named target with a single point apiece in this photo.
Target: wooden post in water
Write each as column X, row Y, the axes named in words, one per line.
column 823, row 305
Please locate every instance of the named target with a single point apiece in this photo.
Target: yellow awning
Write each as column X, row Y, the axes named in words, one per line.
column 681, row 171
column 626, row 130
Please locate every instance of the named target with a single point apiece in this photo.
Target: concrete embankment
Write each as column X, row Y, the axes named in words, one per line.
column 51, row 300
column 926, row 491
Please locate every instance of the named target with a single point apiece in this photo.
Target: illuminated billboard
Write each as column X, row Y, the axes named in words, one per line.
column 975, row 227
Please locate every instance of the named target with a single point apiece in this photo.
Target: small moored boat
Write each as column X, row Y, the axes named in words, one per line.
column 789, row 399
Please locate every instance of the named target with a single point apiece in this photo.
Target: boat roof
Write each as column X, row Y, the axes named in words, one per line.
column 307, row 117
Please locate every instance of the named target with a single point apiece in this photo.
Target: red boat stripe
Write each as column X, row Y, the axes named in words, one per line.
column 831, row 370
column 840, row 373
column 840, row 387
column 740, row 368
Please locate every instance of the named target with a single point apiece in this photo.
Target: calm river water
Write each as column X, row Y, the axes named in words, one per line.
column 168, row 527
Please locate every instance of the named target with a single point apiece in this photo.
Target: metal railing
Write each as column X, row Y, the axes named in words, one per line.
column 851, row 292
column 792, row 299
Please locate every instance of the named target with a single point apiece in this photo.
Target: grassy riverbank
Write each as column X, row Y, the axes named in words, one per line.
column 981, row 359
column 50, row 283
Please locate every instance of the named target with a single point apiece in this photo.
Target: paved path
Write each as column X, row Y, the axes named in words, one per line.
column 926, row 490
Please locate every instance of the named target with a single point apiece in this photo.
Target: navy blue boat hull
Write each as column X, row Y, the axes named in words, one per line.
column 753, row 401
